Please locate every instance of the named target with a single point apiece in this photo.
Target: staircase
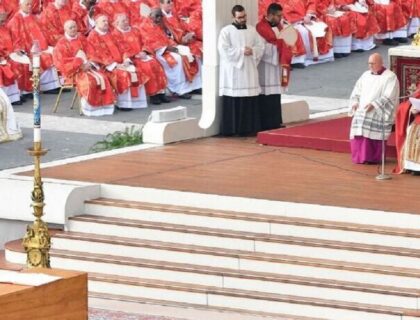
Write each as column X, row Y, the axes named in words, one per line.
column 287, row 267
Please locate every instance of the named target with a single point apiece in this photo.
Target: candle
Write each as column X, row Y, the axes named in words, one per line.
column 37, row 134
column 36, row 61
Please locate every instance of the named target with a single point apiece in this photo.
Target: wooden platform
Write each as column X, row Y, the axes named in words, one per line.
column 240, row 167
column 63, row 298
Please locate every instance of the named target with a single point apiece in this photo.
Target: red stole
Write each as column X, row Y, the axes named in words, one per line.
column 285, row 53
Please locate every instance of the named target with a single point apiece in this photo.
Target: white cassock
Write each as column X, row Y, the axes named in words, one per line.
column 239, row 73
column 9, row 128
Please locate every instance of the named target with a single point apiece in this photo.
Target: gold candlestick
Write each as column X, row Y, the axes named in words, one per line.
column 37, row 241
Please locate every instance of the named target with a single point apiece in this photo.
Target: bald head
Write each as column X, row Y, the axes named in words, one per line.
column 25, row 6
column 70, row 28
column 375, row 62
column 122, row 22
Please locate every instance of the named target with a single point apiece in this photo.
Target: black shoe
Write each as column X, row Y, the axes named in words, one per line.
column 17, row 103
column 22, row 98
column 67, row 90
column 298, row 66
column 197, row 91
column 185, row 96
column 415, row 173
column 155, row 99
column 401, row 40
column 123, row 109
column 345, row 55
column 390, row 42
column 52, row 91
column 358, row 50
column 26, row 96
column 338, row 55
column 164, row 98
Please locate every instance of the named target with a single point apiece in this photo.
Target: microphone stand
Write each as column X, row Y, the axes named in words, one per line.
column 382, row 175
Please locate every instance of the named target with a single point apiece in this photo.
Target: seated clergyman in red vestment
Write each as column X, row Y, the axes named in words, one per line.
column 135, row 9
column 181, row 66
column 8, row 71
column 178, row 29
column 53, row 18
column 125, row 78
column 111, row 8
column 80, row 14
column 26, row 30
column 131, row 44
column 97, row 97
column 407, row 135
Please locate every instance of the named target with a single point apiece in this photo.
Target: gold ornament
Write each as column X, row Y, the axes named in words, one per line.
column 416, row 39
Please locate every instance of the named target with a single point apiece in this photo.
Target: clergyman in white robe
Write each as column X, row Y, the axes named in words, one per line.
column 372, row 105
column 240, row 48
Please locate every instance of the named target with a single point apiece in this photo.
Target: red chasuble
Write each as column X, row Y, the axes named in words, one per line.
column 70, row 67
column 195, row 24
column 154, row 38
column 134, row 9
column 342, row 26
column 111, row 9
column 104, row 51
column 402, row 119
column 131, row 44
column 52, row 21
column 185, row 8
column 7, row 74
column 10, row 6
column 178, row 30
column 390, row 17
column 80, row 15
column 24, row 30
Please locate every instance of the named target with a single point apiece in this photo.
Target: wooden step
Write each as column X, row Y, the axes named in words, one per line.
column 348, row 251
column 256, row 301
column 253, row 222
column 239, row 260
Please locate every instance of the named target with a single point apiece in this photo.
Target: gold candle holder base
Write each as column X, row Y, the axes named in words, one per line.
column 37, row 241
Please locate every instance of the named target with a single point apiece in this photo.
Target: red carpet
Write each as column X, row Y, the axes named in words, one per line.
column 328, row 135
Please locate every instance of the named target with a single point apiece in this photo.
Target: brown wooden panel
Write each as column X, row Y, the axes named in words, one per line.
column 65, row 298
column 240, row 167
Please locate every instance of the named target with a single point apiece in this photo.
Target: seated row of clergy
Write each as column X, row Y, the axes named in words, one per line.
column 330, row 28
column 182, row 72
column 115, row 60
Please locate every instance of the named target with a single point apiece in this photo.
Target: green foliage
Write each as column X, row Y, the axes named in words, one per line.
column 119, row 139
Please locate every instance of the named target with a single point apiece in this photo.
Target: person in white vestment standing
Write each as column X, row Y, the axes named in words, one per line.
column 9, row 128
column 372, row 102
column 240, row 48
column 274, row 68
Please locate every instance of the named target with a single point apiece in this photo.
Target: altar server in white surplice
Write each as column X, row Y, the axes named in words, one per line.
column 240, row 48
